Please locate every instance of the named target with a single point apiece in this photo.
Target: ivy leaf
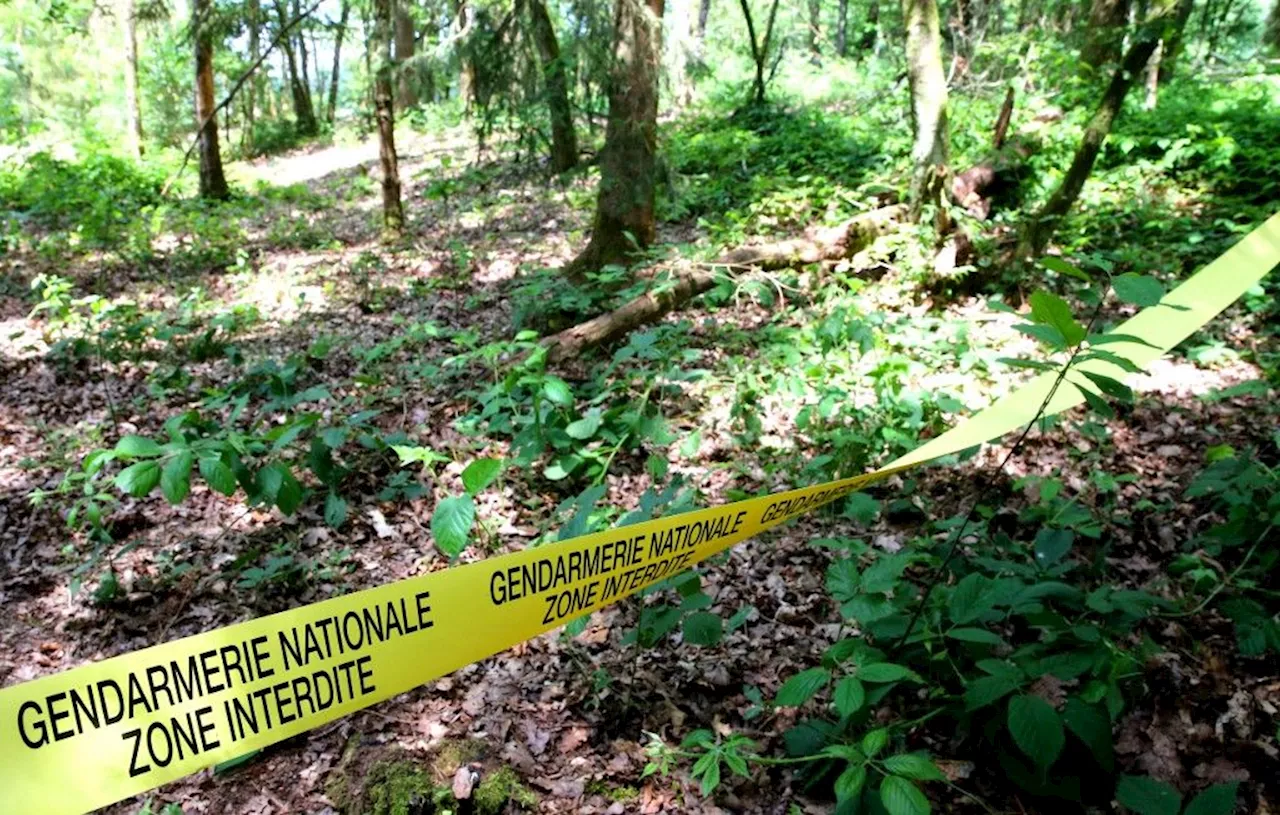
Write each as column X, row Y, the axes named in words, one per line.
column 901, row 797
column 451, row 524
column 586, row 427
column 1052, row 545
column 801, row 688
column 289, row 496
column 137, row 447
column 335, row 510
column 851, row 782
column 1220, row 799
column 1138, row 289
column 480, row 474
column 1147, row 796
column 269, row 480
column 175, row 478
column 887, row 672
column 1050, row 309
column 218, row 475
column 703, row 628
column 139, row 479
column 1036, row 729
column 1092, row 725
column 849, row 696
column 557, row 391
column 915, row 766
column 970, row 599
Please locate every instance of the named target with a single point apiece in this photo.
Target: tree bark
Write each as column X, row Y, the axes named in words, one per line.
column 1105, row 33
column 392, row 212
column 133, row 113
column 406, row 89
column 931, row 150
column 1152, row 80
column 842, row 29
column 564, row 141
column 625, row 200
column 303, row 112
column 815, row 30
column 1173, row 42
column 1043, row 224
column 251, row 93
column 303, row 59
column 833, row 243
column 704, row 12
column 759, row 49
column 338, row 36
column 467, row 68
column 871, row 28
column 213, row 184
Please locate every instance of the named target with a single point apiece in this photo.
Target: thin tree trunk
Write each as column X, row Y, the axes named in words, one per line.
column 251, row 92
column 759, row 50
column 133, row 114
column 1043, row 224
column 842, row 29
column 931, row 151
column 467, row 73
column 871, row 28
column 815, row 30
column 213, row 184
column 704, row 12
column 338, row 36
column 303, row 112
column 1105, row 34
column 625, row 202
column 392, row 212
column 564, row 141
column 1152, row 80
column 303, row 60
column 406, row 89
column 1174, row 41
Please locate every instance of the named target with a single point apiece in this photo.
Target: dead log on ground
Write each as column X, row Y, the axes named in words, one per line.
column 977, row 188
column 825, row 244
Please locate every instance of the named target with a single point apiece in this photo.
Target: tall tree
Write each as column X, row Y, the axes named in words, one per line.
column 628, row 161
column 383, row 103
column 704, row 12
column 564, row 141
column 1104, row 36
column 842, row 28
column 303, row 111
column 870, row 28
column 1041, row 226
column 254, row 13
column 133, row 114
column 213, row 184
column 931, row 149
column 406, row 89
column 759, row 48
column 339, row 33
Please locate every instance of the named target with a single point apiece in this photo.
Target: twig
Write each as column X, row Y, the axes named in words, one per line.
column 284, row 31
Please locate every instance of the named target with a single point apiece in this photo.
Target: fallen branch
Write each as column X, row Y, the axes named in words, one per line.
column 826, row 244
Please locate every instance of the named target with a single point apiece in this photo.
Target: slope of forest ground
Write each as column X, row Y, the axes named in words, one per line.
column 281, row 309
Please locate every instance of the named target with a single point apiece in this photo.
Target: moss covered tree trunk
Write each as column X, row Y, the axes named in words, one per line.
column 1043, row 224
column 931, row 149
column 213, row 184
column 132, row 112
column 383, row 105
column 564, row 141
column 406, row 89
column 624, row 217
column 1105, row 33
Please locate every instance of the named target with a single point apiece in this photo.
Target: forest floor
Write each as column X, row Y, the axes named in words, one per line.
column 569, row 714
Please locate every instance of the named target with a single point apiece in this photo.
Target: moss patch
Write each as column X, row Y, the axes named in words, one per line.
column 499, row 787
column 452, row 754
column 397, row 787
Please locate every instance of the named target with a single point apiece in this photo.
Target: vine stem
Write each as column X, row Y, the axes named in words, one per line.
column 954, row 547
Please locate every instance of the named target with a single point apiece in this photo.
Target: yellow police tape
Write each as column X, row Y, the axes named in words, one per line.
column 93, row 735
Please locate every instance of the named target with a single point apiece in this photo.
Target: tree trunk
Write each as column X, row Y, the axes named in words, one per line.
column 704, row 12
column 213, row 184
column 406, row 89
column 829, row 244
column 625, row 201
column 1043, row 224
column 303, row 112
column 815, row 31
column 392, row 213
column 871, row 28
column 842, row 29
column 338, row 36
column 1152, row 80
column 682, row 49
column 467, row 68
column 564, row 141
column 133, row 114
column 1105, row 34
column 759, row 49
column 303, row 58
column 1173, row 41
column 251, row 92
column 931, row 151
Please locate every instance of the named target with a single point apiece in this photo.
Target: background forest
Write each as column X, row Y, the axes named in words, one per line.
column 298, row 298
